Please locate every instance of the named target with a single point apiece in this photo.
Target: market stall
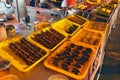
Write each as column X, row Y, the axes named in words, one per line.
column 72, row 46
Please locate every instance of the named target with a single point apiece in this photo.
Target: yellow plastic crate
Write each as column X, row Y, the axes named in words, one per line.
column 42, row 46
column 16, row 61
column 96, row 26
column 78, row 19
column 83, row 69
column 63, row 25
column 92, row 38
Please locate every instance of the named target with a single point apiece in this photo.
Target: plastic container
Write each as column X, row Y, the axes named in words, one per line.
column 78, row 19
column 64, row 25
column 83, row 69
column 4, row 67
column 10, row 30
column 3, row 34
column 9, row 77
column 58, row 77
column 92, row 38
column 42, row 46
column 97, row 26
column 16, row 61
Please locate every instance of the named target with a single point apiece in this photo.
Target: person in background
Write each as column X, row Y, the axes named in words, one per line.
column 37, row 3
column 8, row 9
column 64, row 7
column 43, row 4
column 27, row 2
column 32, row 3
column 65, row 4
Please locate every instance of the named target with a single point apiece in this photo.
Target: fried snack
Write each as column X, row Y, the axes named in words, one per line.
column 72, row 58
column 77, row 19
column 89, row 37
column 28, row 52
column 70, row 29
column 49, row 38
column 100, row 26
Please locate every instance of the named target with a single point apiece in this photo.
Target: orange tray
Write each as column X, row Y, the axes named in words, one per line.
column 16, row 61
column 84, row 68
column 92, row 38
column 61, row 26
column 77, row 19
column 96, row 26
column 42, row 46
